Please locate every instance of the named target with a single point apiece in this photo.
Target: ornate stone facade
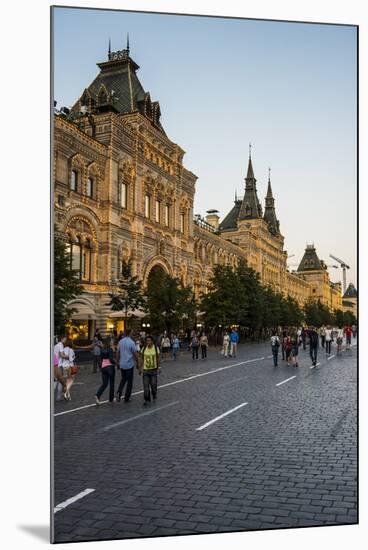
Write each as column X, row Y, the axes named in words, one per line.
column 121, row 191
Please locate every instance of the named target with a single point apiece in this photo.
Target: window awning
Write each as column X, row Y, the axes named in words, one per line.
column 83, row 311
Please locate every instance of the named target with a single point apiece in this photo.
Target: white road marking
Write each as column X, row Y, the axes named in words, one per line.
column 116, row 424
column 66, row 503
column 287, row 380
column 314, row 366
column 168, row 384
column 331, row 357
column 219, row 417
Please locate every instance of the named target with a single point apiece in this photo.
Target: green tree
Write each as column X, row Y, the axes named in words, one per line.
column 317, row 314
column 168, row 302
column 130, row 295
column 224, row 304
column 66, row 284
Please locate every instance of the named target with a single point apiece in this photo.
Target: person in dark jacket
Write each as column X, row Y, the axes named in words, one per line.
column 313, row 344
column 107, row 369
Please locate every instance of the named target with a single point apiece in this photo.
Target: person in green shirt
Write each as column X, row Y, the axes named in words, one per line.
column 149, row 367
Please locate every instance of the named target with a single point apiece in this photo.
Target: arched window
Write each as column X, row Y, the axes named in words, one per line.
column 90, row 186
column 74, row 181
column 80, row 257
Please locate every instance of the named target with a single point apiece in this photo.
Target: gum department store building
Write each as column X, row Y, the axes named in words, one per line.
column 121, row 191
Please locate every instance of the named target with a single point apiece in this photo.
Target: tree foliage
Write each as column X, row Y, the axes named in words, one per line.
column 130, row 295
column 66, row 285
column 169, row 304
column 236, row 297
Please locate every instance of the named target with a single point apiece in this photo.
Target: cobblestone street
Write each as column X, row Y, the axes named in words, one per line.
column 231, row 444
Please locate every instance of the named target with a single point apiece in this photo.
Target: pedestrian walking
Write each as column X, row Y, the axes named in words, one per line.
column 165, row 345
column 354, row 329
column 339, row 339
column 299, row 334
column 58, row 376
column 322, row 333
column 234, row 339
column 348, row 332
column 288, row 346
column 313, row 344
column 275, row 346
column 107, row 369
column 127, row 358
column 295, row 343
column 304, row 338
column 204, row 344
column 175, row 346
column 194, row 344
column 283, row 342
column 96, row 352
column 68, row 367
column 60, row 385
column 225, row 344
column 149, row 366
column 328, row 339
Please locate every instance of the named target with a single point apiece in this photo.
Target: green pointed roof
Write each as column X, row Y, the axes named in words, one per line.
column 270, row 212
column 251, row 207
column 351, row 292
column 230, row 221
column 118, row 88
column 310, row 260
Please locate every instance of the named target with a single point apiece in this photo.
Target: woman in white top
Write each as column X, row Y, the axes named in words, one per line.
column 328, row 339
column 225, row 344
column 68, row 367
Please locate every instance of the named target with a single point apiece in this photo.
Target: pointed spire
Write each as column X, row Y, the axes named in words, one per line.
column 127, row 48
column 236, row 195
column 109, row 52
column 269, row 189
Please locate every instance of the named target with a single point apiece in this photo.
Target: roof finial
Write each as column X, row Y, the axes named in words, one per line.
column 269, row 173
column 236, row 195
column 109, row 52
column 128, row 49
column 250, row 149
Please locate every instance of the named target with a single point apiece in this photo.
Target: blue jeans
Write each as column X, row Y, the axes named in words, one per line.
column 150, row 384
column 174, row 353
column 126, row 378
column 313, row 354
column 108, row 375
column 275, row 354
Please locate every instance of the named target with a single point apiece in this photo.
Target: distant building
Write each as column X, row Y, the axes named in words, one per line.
column 121, row 191
column 350, row 299
column 314, row 271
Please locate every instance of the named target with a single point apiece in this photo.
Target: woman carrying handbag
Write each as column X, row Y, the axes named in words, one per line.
column 107, row 371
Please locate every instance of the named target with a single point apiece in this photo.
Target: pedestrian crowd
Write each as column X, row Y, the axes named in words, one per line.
column 126, row 352
column 289, row 340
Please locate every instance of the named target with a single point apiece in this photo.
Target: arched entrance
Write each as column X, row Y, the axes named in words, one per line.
column 156, row 275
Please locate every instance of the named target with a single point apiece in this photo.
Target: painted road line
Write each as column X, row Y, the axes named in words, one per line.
column 314, row 366
column 156, row 409
column 168, row 384
column 287, row 380
column 66, row 503
column 331, row 357
column 219, row 417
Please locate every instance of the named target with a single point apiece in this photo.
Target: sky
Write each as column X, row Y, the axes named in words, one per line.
column 289, row 89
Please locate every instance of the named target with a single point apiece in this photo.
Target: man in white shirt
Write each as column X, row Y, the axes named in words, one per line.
column 328, row 339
